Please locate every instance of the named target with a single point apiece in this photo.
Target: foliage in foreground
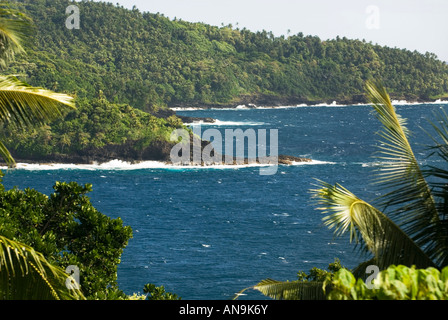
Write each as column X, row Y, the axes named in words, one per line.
column 158, row 293
column 410, row 228
column 67, row 230
column 150, row 292
column 308, row 286
column 394, row 283
column 25, row 275
column 58, row 231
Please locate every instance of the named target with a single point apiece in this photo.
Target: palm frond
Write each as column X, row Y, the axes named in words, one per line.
column 380, row 235
column 26, row 275
column 15, row 27
column 408, row 195
column 25, row 105
column 290, row 290
column 6, row 155
column 438, row 180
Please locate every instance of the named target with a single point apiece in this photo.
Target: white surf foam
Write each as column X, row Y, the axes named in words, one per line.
column 226, row 123
column 119, row 165
column 313, row 162
column 333, row 104
column 111, row 165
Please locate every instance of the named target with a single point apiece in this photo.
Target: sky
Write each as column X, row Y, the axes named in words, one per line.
column 420, row 25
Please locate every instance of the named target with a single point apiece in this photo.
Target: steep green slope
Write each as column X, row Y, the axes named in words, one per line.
column 97, row 131
column 120, row 61
column 150, row 61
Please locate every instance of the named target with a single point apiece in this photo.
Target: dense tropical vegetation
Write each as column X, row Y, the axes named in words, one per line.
column 40, row 235
column 25, row 273
column 150, row 61
column 96, row 131
column 125, row 67
column 394, row 283
column 120, row 60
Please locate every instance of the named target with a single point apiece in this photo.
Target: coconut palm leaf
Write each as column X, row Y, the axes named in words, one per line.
column 438, row 180
column 26, row 274
column 408, row 195
column 413, row 233
column 387, row 242
column 15, row 27
column 24, row 105
column 290, row 290
column 6, row 155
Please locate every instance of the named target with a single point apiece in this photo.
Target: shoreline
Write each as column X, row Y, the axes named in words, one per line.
column 150, row 164
column 118, row 164
column 252, row 106
column 157, row 155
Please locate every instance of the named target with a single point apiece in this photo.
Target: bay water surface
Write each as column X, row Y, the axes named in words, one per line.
column 207, row 233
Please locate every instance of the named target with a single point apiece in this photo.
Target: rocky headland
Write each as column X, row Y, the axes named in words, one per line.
column 157, row 151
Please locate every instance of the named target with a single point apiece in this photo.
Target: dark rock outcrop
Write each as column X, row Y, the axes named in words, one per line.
column 165, row 113
column 157, row 151
column 263, row 100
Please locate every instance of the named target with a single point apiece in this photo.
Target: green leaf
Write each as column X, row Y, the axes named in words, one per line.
column 380, row 235
column 289, row 290
column 15, row 27
column 25, row 106
column 26, row 274
column 407, row 193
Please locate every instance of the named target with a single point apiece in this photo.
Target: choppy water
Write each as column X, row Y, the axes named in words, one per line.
column 207, row 233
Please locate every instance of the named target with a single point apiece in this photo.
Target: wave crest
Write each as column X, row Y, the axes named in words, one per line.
column 119, row 165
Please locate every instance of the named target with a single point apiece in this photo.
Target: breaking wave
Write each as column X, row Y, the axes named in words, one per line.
column 119, row 165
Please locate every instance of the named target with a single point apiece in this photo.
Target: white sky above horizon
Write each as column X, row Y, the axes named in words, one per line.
column 420, row 25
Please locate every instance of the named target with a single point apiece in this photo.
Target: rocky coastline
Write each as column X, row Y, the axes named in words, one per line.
column 158, row 151
column 269, row 101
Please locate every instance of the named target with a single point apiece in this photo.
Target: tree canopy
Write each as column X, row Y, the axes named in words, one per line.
column 150, row 61
column 96, row 131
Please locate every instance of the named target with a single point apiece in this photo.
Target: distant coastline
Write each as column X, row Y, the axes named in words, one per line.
column 291, row 103
column 147, row 164
column 159, row 151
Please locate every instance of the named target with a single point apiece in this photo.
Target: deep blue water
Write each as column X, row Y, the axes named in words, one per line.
column 208, row 233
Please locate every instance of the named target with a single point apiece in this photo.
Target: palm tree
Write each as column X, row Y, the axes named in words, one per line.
column 21, row 104
column 411, row 230
column 15, row 28
column 24, row 273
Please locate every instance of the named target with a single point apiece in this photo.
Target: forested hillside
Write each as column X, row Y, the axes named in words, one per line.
column 150, row 61
column 97, row 131
column 126, row 67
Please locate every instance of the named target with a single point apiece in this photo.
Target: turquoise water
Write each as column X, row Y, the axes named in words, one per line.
column 208, row 233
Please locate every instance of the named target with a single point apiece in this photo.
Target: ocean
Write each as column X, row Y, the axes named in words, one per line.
column 205, row 233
